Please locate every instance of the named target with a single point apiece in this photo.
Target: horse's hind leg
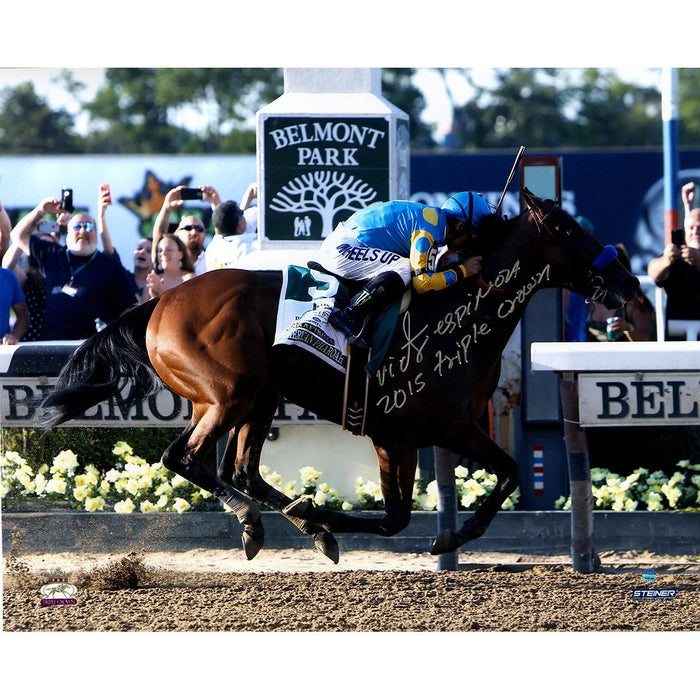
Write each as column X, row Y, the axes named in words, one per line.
column 485, row 451
column 179, row 458
column 240, row 467
column 397, row 470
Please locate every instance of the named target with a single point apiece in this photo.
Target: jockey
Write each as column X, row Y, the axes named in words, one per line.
column 393, row 244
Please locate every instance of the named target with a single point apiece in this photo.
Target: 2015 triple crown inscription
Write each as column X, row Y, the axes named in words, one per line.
column 463, row 326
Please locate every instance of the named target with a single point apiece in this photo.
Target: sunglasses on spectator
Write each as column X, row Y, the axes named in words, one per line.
column 87, row 225
column 189, row 227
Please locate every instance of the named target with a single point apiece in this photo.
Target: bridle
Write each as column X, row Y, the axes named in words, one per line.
column 601, row 262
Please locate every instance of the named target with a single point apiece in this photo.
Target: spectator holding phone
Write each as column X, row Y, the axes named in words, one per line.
column 31, row 280
column 84, row 287
column 190, row 230
column 677, row 269
column 173, row 267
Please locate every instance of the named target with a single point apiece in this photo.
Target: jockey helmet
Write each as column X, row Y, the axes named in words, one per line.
column 466, row 206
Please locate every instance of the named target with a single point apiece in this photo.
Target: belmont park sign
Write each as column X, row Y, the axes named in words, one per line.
column 319, row 170
column 640, row 398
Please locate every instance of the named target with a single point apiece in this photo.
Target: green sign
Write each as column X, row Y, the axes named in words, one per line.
column 319, row 170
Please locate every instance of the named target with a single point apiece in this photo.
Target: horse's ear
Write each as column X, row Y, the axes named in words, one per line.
column 533, row 201
column 541, row 206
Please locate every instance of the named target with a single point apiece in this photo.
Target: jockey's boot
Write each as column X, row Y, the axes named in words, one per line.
column 378, row 294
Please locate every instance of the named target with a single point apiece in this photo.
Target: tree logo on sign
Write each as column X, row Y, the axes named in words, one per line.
column 325, row 193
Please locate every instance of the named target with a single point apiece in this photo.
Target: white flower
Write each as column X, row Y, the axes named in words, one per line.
column 461, row 472
column 81, row 493
column 40, row 484
column 93, row 504
column 654, row 501
column 122, row 449
column 180, row 505
column 672, row 493
column 57, row 485
column 65, row 462
column 126, row 506
column 309, row 475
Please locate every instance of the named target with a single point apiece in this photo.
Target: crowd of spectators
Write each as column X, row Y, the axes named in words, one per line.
column 56, row 283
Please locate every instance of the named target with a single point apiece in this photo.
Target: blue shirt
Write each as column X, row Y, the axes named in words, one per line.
column 79, row 289
column 391, row 225
column 11, row 294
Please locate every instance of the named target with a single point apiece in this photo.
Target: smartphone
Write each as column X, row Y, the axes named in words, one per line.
column 678, row 237
column 47, row 227
column 191, row 193
column 67, row 200
column 103, row 189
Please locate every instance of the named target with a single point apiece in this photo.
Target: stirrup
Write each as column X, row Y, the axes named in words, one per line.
column 357, row 340
column 337, row 321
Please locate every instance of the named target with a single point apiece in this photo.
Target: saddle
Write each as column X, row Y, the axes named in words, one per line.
column 360, row 364
column 307, row 298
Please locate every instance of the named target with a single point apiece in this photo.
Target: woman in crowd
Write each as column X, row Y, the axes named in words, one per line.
column 174, row 266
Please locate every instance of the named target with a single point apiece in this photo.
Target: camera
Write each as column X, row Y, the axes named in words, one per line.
column 67, row 200
column 678, row 237
column 191, row 193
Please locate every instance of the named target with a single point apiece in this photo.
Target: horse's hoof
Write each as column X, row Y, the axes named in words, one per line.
column 328, row 545
column 300, row 508
column 445, row 543
column 253, row 538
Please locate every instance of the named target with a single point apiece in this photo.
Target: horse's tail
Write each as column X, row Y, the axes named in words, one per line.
column 103, row 365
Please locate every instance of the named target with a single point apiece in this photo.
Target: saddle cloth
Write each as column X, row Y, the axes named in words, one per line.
column 306, row 301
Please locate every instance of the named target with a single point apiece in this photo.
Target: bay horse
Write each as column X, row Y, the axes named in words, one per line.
column 211, row 341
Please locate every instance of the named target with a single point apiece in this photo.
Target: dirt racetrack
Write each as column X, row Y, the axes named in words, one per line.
column 294, row 591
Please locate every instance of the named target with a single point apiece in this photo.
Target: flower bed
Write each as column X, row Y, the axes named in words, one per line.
column 134, row 485
column 644, row 490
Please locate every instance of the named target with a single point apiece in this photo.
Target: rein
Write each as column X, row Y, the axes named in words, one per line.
column 594, row 278
column 602, row 260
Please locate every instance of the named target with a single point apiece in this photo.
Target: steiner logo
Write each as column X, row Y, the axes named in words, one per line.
column 652, row 594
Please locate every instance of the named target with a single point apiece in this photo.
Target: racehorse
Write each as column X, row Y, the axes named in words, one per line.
column 211, row 341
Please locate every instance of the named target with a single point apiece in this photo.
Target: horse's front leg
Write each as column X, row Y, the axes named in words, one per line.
column 240, row 466
column 477, row 445
column 397, row 472
column 181, row 459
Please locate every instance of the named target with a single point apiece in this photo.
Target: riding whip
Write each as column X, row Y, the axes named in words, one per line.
column 510, row 177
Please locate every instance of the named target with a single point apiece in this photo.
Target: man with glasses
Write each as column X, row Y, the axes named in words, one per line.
column 191, row 230
column 84, row 287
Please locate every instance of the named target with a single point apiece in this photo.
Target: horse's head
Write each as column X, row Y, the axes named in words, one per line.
column 579, row 262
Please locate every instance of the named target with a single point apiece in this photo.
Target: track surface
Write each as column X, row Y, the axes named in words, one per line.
column 372, row 591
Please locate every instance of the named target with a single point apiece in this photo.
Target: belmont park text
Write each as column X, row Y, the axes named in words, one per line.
column 329, row 132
